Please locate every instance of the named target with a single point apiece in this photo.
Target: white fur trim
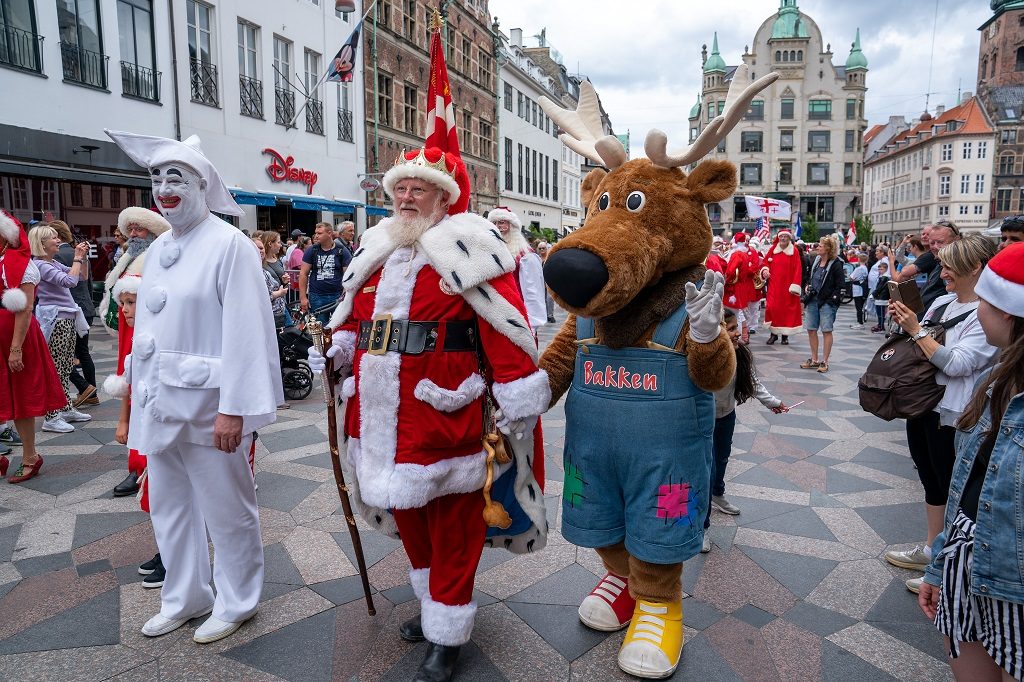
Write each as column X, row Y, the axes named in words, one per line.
column 794, row 289
column 449, row 400
column 503, row 316
column 143, row 217
column 466, row 250
column 129, row 284
column 14, row 300
column 785, row 331
column 431, row 175
column 9, row 230
column 379, row 519
column 419, row 578
column 1000, row 292
column 125, row 266
column 128, row 368
column 346, row 343
column 116, row 387
column 447, row 625
column 496, row 214
column 525, row 397
column 348, row 388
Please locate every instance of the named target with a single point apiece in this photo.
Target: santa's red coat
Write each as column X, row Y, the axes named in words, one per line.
column 739, row 280
column 783, row 311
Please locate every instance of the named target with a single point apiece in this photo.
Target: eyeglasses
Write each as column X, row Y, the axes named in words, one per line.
column 948, row 225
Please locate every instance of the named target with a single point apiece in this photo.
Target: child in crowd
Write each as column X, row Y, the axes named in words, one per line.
column 881, row 296
column 125, row 293
column 859, row 277
column 744, row 385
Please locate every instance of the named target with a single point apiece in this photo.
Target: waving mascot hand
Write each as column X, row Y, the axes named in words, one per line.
column 639, row 355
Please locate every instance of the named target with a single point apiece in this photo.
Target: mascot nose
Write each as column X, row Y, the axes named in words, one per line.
column 576, row 275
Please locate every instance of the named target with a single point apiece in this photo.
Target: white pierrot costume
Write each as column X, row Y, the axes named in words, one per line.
column 126, row 264
column 529, row 268
column 413, row 422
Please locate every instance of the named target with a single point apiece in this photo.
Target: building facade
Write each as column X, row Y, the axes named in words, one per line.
column 1001, row 91
column 234, row 73
column 396, row 71
column 940, row 168
column 801, row 139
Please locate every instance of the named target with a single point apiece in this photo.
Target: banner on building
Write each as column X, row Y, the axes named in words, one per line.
column 343, row 66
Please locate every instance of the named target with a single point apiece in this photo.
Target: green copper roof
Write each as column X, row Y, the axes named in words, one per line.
column 789, row 24
column 715, row 61
column 695, row 109
column 856, row 60
column 1003, row 5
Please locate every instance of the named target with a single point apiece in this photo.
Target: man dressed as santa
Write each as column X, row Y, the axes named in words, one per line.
column 739, row 283
column 529, row 269
column 431, row 328
column 784, row 271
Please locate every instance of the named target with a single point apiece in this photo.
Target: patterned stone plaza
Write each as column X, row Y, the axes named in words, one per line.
column 794, row 589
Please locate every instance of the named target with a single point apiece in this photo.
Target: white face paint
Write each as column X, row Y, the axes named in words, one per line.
column 180, row 194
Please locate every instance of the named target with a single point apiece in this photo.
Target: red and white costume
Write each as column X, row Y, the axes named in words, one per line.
column 739, row 276
column 783, row 312
column 414, row 421
column 529, row 272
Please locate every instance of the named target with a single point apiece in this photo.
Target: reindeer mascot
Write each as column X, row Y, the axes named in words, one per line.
column 639, row 355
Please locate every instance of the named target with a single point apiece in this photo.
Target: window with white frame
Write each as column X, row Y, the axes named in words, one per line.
column 944, row 183
column 982, row 150
column 965, row 184
column 978, row 208
column 944, row 210
column 946, row 152
column 282, row 63
column 967, row 150
column 312, row 64
column 963, row 209
column 979, row 184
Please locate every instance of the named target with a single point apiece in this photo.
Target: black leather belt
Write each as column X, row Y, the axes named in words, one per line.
column 384, row 334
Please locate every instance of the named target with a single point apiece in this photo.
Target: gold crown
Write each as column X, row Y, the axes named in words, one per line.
column 422, row 161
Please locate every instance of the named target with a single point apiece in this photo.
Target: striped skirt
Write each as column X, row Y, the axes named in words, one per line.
column 966, row 617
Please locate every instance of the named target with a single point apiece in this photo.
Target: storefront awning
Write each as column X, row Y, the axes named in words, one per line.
column 317, row 204
column 377, row 210
column 76, row 175
column 253, row 198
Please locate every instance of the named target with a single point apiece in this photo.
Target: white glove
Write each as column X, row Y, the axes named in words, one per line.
column 316, row 361
column 510, row 427
column 704, row 307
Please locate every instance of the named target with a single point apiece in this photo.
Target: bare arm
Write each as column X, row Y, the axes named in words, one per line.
column 121, row 434
column 303, row 283
column 22, row 318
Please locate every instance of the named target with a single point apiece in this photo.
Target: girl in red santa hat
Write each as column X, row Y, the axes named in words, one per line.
column 739, row 283
column 784, row 271
column 29, row 385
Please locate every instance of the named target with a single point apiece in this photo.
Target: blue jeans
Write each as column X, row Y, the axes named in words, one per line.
column 724, row 428
column 819, row 316
column 321, row 300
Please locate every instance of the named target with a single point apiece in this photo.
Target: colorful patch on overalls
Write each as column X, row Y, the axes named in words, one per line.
column 573, row 489
column 677, row 501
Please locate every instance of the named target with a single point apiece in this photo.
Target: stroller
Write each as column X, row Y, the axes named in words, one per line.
column 293, row 345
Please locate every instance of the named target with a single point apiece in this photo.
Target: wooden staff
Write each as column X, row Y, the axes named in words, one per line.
column 316, row 330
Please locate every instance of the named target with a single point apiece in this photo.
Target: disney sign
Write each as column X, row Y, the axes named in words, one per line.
column 282, row 169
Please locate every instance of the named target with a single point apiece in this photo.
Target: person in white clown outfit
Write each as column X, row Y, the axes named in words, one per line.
column 431, row 302
column 529, row 268
column 204, row 375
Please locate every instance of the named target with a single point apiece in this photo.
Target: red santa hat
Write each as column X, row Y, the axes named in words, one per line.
column 128, row 284
column 782, row 232
column 739, row 237
column 1002, row 281
column 143, row 217
column 16, row 258
column 504, row 213
column 442, row 169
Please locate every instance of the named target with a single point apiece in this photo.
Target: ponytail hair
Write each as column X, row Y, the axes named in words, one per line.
column 1005, row 381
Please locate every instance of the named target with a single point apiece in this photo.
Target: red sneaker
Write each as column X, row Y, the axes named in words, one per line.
column 609, row 606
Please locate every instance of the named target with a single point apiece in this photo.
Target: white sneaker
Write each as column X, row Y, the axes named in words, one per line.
column 214, row 629
column 914, row 559
column 158, row 625
column 723, row 505
column 856, row 326
column 914, row 585
column 73, row 415
column 57, row 425
column 706, row 547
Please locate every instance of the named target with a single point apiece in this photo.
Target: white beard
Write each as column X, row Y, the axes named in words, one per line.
column 516, row 242
column 407, row 231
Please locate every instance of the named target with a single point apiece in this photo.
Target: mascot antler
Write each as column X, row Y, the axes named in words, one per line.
column 583, row 132
column 736, row 105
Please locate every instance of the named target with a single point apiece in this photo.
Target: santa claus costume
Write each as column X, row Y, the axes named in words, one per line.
column 739, row 279
column 133, row 258
column 35, row 389
column 431, row 330
column 784, row 269
column 529, row 272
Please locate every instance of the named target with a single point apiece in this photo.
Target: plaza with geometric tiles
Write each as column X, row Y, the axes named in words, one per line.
column 794, row 589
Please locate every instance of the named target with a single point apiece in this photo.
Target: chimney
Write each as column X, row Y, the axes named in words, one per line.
column 516, row 37
column 940, row 110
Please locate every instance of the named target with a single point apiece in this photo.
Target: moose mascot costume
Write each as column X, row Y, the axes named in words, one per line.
column 639, row 355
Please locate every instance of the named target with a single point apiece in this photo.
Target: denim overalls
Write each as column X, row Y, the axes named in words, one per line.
column 638, row 448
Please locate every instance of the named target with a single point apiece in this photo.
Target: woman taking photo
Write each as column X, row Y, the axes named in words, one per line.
column 821, row 301
column 60, row 318
column 960, row 359
column 979, row 605
column 29, row 386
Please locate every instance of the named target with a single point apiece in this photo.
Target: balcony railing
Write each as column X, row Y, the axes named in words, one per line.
column 284, row 107
column 21, row 49
column 84, row 66
column 315, row 116
column 345, row 125
column 251, row 96
column 204, row 82
column 139, row 81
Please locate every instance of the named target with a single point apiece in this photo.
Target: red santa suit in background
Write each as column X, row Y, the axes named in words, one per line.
column 783, row 312
column 739, row 281
column 410, row 327
column 752, row 313
column 714, row 261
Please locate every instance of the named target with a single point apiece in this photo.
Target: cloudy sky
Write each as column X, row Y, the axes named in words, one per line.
column 643, row 56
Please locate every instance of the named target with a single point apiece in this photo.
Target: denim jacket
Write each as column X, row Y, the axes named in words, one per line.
column 998, row 567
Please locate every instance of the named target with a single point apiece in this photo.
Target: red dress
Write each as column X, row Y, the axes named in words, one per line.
column 36, row 389
column 739, row 281
column 782, row 310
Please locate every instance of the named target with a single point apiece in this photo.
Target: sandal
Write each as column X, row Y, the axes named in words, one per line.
column 822, row 367
column 25, row 472
column 809, row 364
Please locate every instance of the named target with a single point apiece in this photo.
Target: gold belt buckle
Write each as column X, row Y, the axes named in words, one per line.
column 380, row 332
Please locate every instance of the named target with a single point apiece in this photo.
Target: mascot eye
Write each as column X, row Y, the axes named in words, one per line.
column 602, row 203
column 635, row 201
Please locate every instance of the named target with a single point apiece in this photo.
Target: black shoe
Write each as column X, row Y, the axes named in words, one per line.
column 772, row 338
column 439, row 664
column 412, row 630
column 785, row 340
column 10, row 436
column 156, row 578
column 150, row 566
column 129, row 486
column 4, row 450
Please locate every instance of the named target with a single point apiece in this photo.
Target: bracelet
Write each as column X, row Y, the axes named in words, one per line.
column 15, row 350
column 79, row 260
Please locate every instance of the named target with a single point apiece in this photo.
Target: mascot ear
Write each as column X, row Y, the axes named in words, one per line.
column 590, row 184
column 712, row 181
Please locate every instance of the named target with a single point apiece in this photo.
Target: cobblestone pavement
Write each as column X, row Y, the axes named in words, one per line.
column 795, row 587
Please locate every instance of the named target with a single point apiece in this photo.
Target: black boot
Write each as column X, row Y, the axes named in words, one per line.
column 772, row 338
column 411, row 630
column 785, row 340
column 439, row 664
column 129, row 486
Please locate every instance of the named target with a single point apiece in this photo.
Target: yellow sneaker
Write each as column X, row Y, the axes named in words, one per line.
column 654, row 640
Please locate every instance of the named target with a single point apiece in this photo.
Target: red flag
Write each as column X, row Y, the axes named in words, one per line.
column 851, row 236
column 441, row 131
